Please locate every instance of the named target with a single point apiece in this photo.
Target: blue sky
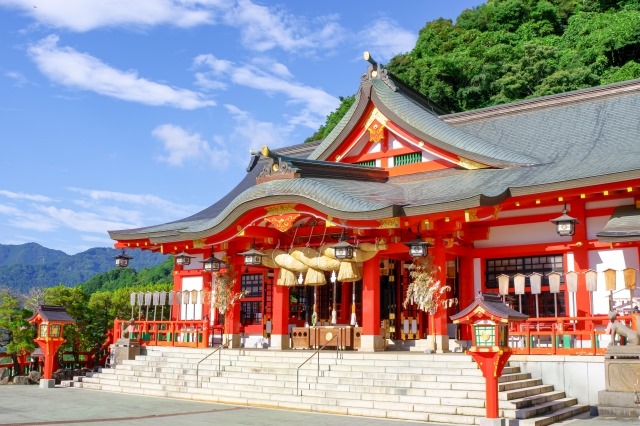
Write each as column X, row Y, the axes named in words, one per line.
column 117, row 114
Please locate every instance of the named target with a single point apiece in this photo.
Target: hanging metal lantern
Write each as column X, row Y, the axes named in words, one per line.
column 122, row 260
column 418, row 248
column 343, row 250
column 212, row 264
column 183, row 259
column 565, row 224
column 252, row 257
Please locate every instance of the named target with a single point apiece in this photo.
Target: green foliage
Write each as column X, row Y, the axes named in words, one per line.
column 507, row 50
column 16, row 334
column 28, row 266
column 125, row 277
column 332, row 119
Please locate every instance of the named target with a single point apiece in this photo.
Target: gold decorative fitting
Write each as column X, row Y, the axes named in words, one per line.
column 283, row 222
column 469, row 164
column 375, row 115
column 280, row 209
column 391, row 222
column 199, row 243
column 376, row 131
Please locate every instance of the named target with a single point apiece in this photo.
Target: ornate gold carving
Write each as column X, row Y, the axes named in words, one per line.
column 283, row 222
column 198, row 243
column 376, row 131
column 280, row 209
column 376, row 115
column 447, row 242
column 391, row 222
column 469, row 164
column 471, row 215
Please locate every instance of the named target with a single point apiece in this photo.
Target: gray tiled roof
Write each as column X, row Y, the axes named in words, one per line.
column 53, row 313
column 624, row 225
column 566, row 141
column 423, row 123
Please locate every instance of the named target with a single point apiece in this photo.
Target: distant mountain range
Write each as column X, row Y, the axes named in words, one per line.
column 31, row 265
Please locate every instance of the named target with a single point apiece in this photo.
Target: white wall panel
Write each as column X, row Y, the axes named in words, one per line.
column 515, row 235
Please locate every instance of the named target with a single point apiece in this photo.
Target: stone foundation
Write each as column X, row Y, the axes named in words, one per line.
column 621, row 396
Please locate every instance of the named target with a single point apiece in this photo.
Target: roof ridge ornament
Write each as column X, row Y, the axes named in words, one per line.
column 277, row 164
column 376, row 71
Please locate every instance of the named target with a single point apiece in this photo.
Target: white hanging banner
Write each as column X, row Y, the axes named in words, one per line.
column 571, row 279
column 554, row 282
column 591, row 278
column 518, row 283
column 503, row 284
column 535, row 280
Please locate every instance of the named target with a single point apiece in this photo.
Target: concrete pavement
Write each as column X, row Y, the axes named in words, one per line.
column 31, row 405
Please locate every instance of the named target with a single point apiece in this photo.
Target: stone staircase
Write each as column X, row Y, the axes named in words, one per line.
column 441, row 388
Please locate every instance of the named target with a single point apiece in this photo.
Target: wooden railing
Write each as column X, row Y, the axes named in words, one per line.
column 193, row 334
column 562, row 335
column 536, row 336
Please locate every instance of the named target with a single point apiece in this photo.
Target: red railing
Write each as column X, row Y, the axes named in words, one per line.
column 536, row 336
column 194, row 334
column 561, row 335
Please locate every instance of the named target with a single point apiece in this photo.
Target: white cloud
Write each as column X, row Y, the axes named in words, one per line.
column 83, row 221
column 23, row 196
column 253, row 134
column 83, row 15
column 123, row 197
column 182, row 146
column 68, row 67
column 18, row 78
column 384, row 39
column 9, row 210
column 262, row 28
column 271, row 77
column 265, row 28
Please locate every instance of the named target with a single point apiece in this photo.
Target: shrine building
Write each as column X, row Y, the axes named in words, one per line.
column 536, row 200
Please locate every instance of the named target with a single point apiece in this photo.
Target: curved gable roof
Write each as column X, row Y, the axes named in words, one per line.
column 417, row 115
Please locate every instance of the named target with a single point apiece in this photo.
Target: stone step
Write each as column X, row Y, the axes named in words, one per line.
column 425, row 387
column 518, row 384
column 530, row 401
column 524, row 392
column 545, row 407
column 555, row 416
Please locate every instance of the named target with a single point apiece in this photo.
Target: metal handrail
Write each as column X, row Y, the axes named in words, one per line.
column 218, row 349
column 317, row 352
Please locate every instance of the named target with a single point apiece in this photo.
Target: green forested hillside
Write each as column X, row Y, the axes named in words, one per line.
column 27, row 266
column 118, row 278
column 508, row 50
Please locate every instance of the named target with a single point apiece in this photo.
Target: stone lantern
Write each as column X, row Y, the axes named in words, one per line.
column 50, row 321
column 489, row 318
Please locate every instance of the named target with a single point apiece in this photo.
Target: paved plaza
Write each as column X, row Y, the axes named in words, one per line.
column 31, row 405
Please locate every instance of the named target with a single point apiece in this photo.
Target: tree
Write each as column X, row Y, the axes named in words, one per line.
column 16, row 334
column 508, row 50
column 332, row 119
column 76, row 301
